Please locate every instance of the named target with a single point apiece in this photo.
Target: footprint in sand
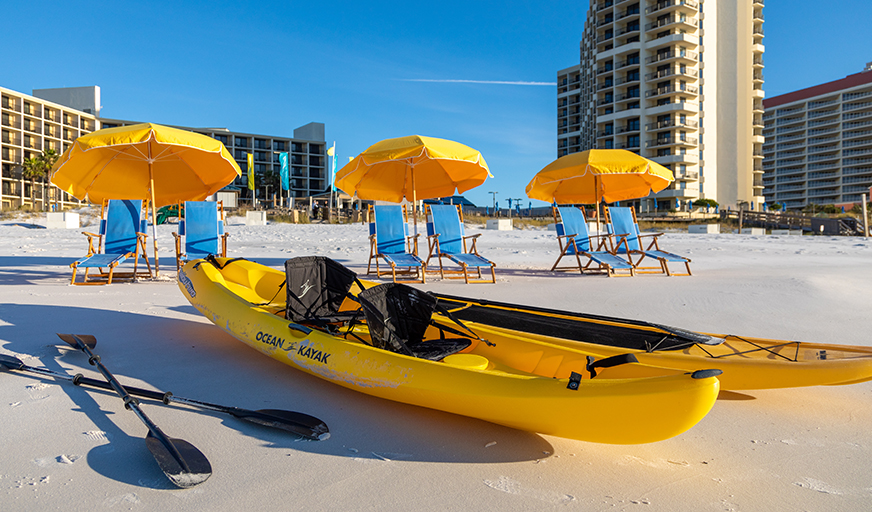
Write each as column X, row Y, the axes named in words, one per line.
column 96, row 435
column 507, row 485
column 817, row 485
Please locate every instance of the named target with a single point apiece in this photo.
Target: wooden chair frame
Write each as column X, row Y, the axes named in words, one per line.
column 651, row 251
column 107, row 276
column 603, row 252
column 419, row 273
column 180, row 254
column 436, row 250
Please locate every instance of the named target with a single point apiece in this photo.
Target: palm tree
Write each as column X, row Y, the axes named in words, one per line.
column 39, row 167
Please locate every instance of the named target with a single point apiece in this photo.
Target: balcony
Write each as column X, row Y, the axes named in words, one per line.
column 665, row 73
column 631, row 11
column 668, row 4
column 627, row 128
column 671, row 20
column 630, row 78
column 672, row 36
column 629, row 62
column 669, row 141
column 674, row 106
column 627, row 96
column 662, row 57
column 671, row 89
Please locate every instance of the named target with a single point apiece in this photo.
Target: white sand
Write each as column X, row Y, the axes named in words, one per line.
column 71, row 449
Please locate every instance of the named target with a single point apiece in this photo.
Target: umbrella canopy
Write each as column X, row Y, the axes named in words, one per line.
column 413, row 167
column 144, row 161
column 598, row 174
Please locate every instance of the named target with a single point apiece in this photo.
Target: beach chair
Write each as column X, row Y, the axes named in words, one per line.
column 575, row 240
column 201, row 224
column 389, row 241
column 447, row 240
column 121, row 236
column 622, row 220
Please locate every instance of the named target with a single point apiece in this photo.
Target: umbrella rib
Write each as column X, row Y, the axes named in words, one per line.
column 117, row 154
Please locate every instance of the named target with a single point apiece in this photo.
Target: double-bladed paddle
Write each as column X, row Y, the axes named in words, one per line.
column 297, row 423
column 180, row 461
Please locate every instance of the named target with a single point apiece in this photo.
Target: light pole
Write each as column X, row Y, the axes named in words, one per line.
column 494, row 195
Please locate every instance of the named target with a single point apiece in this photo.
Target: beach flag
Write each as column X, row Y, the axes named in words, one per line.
column 332, row 152
column 250, row 171
column 283, row 172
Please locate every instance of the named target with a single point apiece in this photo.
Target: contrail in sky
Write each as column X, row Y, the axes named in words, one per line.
column 498, row 82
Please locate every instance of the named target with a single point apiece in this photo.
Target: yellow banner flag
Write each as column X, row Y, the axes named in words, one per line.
column 250, row 171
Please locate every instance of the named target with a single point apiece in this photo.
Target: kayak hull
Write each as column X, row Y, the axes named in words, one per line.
column 747, row 362
column 480, row 383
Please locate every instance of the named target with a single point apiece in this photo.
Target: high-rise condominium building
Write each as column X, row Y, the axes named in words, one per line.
column 679, row 82
column 819, row 143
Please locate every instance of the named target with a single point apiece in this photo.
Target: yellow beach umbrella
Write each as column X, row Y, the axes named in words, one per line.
column 595, row 175
column 144, row 161
column 413, row 167
column 598, row 174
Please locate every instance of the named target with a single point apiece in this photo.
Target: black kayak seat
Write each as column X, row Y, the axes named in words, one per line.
column 316, row 288
column 398, row 316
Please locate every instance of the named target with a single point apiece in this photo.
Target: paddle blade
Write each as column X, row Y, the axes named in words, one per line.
column 301, row 424
column 87, row 339
column 8, row 363
column 191, row 470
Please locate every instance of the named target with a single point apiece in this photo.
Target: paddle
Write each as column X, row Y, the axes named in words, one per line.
column 180, row 461
column 298, row 423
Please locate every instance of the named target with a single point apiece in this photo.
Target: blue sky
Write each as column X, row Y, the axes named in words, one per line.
column 269, row 67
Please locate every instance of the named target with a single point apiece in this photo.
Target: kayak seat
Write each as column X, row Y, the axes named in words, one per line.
column 399, row 315
column 316, row 287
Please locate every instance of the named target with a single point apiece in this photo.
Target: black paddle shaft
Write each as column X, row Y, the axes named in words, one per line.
column 298, row 423
column 164, row 449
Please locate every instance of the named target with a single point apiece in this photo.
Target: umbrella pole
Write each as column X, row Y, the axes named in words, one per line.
column 415, row 209
column 153, row 215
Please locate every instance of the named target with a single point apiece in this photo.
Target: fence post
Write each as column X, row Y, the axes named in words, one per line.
column 741, row 215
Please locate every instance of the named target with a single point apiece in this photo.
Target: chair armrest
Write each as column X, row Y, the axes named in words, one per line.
column 568, row 236
column 473, row 236
column 177, row 236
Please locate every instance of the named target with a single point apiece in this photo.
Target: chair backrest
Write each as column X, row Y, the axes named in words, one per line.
column 573, row 222
column 123, row 220
column 202, row 228
column 390, row 229
column 316, row 287
column 623, row 222
column 446, row 222
column 397, row 315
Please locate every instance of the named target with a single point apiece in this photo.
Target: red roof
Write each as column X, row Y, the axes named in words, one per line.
column 849, row 81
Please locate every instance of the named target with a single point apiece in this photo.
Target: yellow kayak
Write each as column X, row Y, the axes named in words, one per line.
column 504, row 378
column 746, row 362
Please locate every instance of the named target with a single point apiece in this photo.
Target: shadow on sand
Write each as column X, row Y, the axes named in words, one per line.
column 197, row 360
